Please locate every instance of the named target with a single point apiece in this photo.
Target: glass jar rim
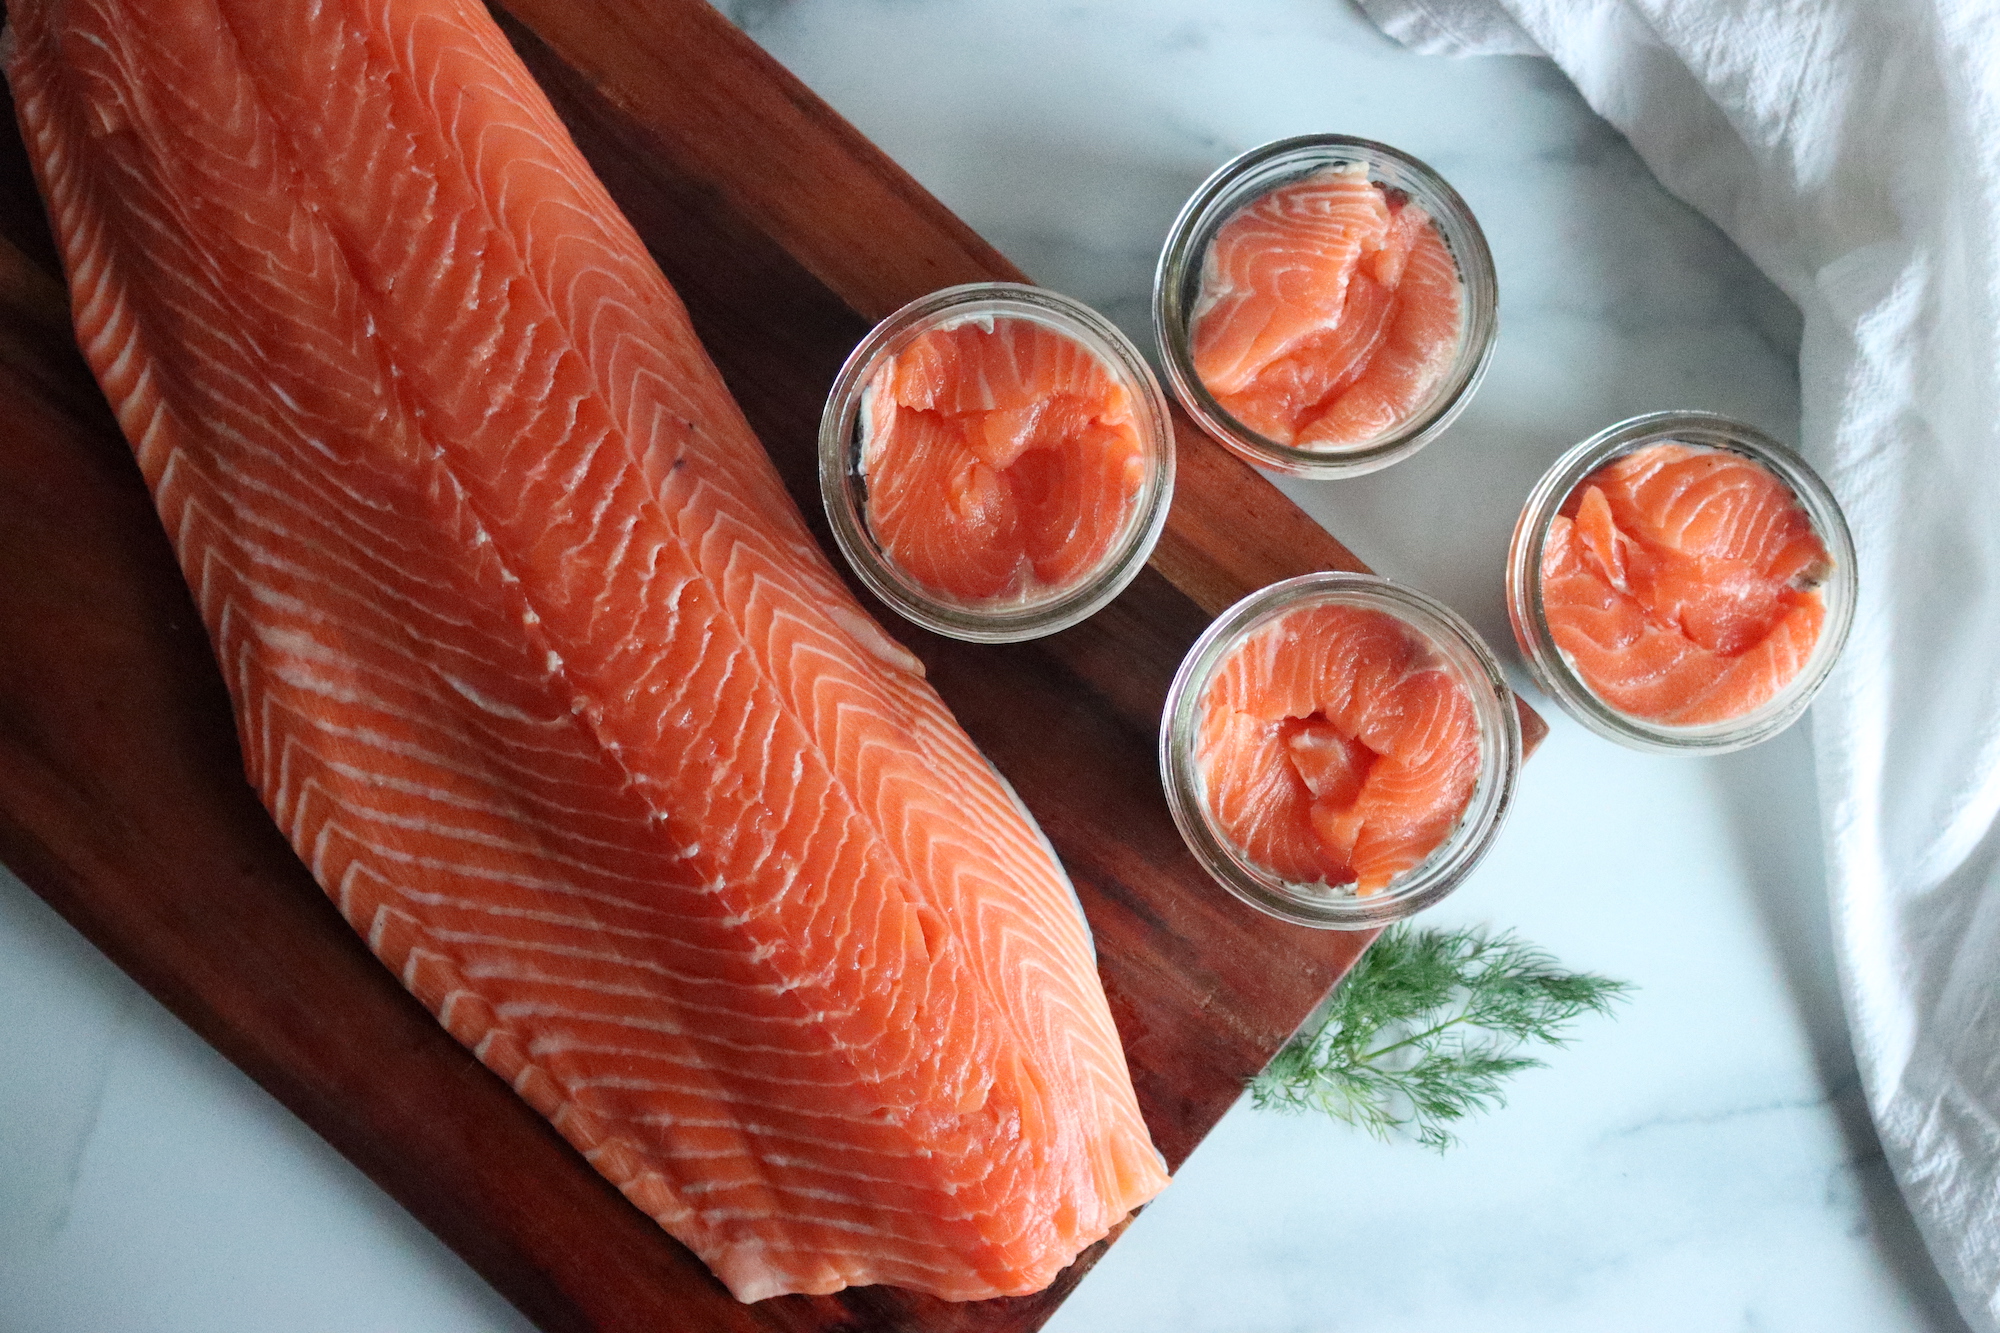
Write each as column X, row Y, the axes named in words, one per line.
column 1551, row 668
column 845, row 508
column 1452, row 861
column 1252, row 174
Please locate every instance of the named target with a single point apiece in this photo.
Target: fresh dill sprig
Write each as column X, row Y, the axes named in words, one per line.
column 1425, row 1029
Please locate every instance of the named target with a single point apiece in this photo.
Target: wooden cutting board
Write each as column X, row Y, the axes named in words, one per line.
column 122, row 800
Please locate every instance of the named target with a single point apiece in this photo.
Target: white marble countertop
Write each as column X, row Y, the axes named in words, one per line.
column 1702, row 1162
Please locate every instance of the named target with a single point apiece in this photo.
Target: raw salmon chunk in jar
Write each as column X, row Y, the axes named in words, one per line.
column 1339, row 749
column 1681, row 582
column 996, row 461
column 1330, row 308
column 1326, row 305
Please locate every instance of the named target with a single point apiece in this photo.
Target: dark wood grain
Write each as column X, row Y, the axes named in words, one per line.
column 123, row 803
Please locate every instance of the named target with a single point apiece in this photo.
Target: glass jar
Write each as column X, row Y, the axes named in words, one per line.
column 1042, row 609
column 1177, row 286
column 1553, row 670
column 1341, row 907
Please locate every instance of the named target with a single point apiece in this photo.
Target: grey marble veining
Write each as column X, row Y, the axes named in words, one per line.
column 1703, row 1162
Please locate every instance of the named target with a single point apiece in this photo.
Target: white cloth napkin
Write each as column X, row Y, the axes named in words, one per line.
column 1852, row 149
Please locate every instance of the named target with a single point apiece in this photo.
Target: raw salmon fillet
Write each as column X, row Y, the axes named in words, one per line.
column 1329, row 311
column 1677, row 583
column 1336, row 746
column 538, row 667
column 1003, row 460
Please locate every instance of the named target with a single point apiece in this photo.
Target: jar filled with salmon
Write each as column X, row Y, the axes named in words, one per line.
column 1681, row 582
column 1339, row 751
column 1325, row 305
column 996, row 461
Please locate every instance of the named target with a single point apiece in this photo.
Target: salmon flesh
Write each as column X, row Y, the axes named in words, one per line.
column 1330, row 310
column 1337, row 746
column 538, row 667
column 1680, row 584
column 1003, row 460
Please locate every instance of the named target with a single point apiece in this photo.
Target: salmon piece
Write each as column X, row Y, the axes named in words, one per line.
column 1002, row 459
column 1712, row 503
column 1329, row 311
column 1334, row 766
column 942, row 512
column 1245, row 766
column 1336, row 746
column 1411, row 358
column 1278, row 269
column 1677, row 582
column 1301, row 385
column 540, row 671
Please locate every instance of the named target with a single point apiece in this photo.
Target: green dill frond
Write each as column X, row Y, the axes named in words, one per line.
column 1425, row 1030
